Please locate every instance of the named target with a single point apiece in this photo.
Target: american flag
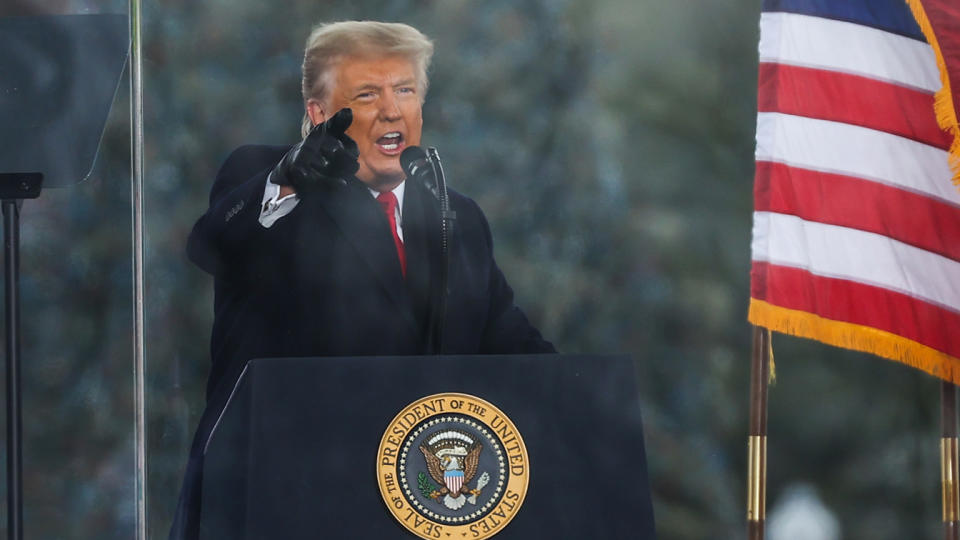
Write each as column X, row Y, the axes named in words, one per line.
column 856, row 224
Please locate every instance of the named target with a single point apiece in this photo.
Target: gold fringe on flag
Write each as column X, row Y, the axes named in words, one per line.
column 855, row 337
column 943, row 99
column 772, row 379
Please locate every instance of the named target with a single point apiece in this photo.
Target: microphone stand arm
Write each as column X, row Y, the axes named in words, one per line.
column 447, row 218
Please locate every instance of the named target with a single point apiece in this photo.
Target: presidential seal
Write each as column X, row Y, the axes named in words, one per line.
column 452, row 466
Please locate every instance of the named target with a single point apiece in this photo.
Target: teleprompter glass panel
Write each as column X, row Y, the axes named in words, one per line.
column 65, row 109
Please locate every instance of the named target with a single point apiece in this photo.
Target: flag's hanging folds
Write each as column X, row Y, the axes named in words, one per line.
column 856, row 228
column 940, row 22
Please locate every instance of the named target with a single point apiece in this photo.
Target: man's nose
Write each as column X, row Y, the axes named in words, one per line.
column 389, row 107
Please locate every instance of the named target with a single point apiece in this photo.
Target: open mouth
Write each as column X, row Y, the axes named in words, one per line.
column 391, row 143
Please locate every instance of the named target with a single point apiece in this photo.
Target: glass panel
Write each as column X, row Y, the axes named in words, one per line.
column 63, row 67
column 610, row 145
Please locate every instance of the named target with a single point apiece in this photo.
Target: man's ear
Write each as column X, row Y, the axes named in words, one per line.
column 316, row 111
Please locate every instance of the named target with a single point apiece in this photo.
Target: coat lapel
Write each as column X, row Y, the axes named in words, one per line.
column 363, row 224
column 421, row 232
column 420, row 227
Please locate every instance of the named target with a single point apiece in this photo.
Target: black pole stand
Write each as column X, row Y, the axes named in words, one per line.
column 14, row 188
column 11, row 246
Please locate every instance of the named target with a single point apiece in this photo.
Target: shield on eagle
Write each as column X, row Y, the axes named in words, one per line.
column 453, row 480
column 452, row 458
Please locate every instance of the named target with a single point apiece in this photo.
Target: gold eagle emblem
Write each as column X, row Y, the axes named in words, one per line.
column 452, row 458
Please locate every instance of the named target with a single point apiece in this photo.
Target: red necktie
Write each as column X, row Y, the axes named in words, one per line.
column 388, row 201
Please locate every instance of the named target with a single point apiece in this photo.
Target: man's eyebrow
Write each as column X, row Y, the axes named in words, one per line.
column 373, row 86
column 367, row 86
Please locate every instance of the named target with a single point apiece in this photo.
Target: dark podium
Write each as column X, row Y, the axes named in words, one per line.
column 295, row 451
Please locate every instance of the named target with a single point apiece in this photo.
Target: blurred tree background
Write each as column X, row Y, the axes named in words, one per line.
column 610, row 143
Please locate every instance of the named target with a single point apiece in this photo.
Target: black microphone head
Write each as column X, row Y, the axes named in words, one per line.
column 412, row 158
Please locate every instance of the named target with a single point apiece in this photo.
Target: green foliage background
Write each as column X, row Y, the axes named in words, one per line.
column 610, row 143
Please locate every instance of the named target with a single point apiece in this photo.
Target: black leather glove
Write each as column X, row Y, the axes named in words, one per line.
column 325, row 155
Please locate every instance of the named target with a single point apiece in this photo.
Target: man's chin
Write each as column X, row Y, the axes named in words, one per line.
column 381, row 180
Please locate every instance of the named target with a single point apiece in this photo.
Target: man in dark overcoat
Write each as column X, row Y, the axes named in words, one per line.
column 326, row 249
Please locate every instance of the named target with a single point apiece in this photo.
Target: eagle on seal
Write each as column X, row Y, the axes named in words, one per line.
column 452, row 459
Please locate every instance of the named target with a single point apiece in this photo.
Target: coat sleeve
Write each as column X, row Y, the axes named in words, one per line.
column 231, row 224
column 507, row 330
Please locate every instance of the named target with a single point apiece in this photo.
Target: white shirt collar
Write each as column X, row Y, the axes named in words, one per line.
column 397, row 192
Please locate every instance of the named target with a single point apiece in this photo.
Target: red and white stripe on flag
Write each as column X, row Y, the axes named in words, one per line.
column 856, row 225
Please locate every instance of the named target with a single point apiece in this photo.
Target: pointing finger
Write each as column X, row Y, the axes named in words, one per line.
column 339, row 123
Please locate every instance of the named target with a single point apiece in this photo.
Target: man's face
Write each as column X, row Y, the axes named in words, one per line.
column 382, row 92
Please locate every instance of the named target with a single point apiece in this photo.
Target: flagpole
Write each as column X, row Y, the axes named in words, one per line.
column 757, row 439
column 948, row 461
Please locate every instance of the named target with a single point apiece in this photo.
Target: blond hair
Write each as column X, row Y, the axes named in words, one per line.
column 330, row 42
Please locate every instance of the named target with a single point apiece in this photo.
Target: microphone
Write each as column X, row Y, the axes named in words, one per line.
column 425, row 168
column 412, row 158
column 417, row 165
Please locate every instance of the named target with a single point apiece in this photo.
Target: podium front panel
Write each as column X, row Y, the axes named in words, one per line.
column 294, row 453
